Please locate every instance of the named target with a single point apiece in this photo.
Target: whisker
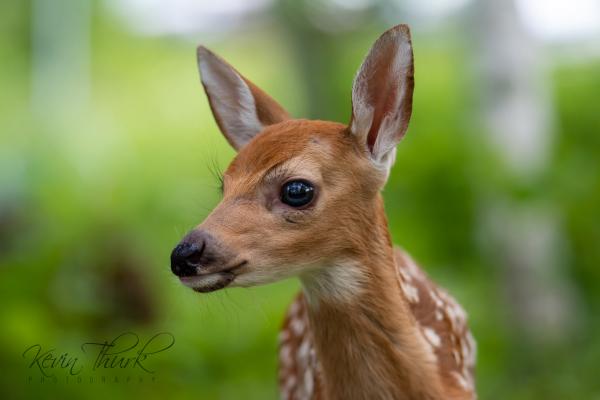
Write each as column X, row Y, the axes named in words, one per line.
column 216, row 171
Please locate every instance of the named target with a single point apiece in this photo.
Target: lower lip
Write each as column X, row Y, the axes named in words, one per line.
column 209, row 282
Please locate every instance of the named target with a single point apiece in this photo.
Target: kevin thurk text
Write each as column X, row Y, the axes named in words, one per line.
column 126, row 351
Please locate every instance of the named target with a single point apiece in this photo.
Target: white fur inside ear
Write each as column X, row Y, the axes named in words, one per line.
column 231, row 99
column 364, row 97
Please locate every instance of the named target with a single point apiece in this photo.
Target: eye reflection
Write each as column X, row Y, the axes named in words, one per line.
column 297, row 193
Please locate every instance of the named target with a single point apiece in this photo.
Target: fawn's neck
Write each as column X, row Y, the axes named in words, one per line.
column 365, row 335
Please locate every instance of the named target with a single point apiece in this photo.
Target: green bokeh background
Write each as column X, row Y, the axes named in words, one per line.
column 93, row 198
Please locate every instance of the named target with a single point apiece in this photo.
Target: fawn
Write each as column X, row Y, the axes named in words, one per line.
column 303, row 198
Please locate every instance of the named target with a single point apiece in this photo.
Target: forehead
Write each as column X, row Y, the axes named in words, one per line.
column 284, row 141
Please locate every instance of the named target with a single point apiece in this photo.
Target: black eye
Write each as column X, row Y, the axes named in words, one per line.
column 297, row 193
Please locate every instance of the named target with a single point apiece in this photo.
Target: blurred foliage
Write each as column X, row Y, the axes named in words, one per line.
column 93, row 199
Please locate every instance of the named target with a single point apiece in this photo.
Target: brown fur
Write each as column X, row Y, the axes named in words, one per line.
column 371, row 348
column 301, row 371
column 375, row 336
column 370, row 324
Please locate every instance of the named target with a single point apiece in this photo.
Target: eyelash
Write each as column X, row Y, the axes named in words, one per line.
column 216, row 171
column 279, row 175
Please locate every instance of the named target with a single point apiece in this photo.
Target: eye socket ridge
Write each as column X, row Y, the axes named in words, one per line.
column 297, row 193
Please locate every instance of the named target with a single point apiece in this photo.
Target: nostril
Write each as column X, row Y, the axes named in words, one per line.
column 194, row 257
column 180, row 264
column 186, row 257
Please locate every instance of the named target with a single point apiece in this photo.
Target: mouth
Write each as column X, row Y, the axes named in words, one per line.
column 209, row 282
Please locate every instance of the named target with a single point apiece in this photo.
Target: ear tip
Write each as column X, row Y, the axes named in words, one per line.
column 399, row 32
column 202, row 52
column 206, row 57
column 403, row 28
column 206, row 60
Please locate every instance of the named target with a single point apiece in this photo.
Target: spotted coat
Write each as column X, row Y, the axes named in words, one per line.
column 442, row 322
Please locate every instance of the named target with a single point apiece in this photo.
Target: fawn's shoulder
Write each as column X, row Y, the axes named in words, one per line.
column 443, row 323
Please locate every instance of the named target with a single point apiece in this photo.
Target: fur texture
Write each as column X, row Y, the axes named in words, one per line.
column 370, row 324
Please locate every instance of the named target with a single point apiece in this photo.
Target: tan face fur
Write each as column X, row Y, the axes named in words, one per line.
column 252, row 237
column 280, row 241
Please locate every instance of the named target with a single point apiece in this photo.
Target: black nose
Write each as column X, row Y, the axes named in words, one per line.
column 186, row 257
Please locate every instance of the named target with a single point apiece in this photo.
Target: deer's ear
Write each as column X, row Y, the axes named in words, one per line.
column 382, row 95
column 240, row 108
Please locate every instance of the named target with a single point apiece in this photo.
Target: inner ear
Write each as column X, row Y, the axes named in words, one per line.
column 241, row 109
column 382, row 93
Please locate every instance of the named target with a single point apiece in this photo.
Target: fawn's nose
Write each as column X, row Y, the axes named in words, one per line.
column 199, row 252
column 186, row 257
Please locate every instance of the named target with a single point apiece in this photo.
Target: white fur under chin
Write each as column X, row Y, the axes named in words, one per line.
column 338, row 283
column 265, row 274
column 202, row 281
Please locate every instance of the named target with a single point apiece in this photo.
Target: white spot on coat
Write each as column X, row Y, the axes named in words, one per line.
column 297, row 326
column 432, row 337
column 410, row 291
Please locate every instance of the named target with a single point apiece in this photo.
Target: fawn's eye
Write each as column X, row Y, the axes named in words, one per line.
column 297, row 193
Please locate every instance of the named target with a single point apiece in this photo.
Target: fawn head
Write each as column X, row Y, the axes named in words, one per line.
column 300, row 194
